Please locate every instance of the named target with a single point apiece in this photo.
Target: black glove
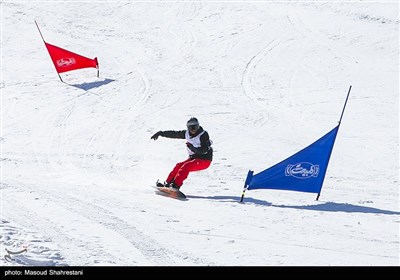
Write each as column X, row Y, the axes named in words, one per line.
column 155, row 136
column 191, row 147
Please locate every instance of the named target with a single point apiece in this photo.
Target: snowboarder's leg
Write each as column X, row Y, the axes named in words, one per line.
column 174, row 171
column 189, row 166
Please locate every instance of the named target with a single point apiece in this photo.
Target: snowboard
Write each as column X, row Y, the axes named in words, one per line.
column 170, row 192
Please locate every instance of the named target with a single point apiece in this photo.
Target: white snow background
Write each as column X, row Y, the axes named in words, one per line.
column 265, row 79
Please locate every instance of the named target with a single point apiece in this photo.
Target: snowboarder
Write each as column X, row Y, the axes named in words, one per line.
column 198, row 145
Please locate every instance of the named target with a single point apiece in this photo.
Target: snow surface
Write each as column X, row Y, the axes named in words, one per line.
column 265, row 79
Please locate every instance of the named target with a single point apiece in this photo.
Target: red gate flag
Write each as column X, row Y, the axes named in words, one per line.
column 66, row 61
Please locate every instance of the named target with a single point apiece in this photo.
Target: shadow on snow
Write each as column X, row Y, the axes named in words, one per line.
column 327, row 206
column 91, row 85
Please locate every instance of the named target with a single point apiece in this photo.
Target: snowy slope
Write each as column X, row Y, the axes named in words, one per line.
column 265, row 79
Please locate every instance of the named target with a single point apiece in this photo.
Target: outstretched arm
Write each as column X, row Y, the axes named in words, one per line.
column 170, row 134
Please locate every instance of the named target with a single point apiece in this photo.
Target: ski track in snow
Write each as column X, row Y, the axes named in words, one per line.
column 27, row 248
column 153, row 252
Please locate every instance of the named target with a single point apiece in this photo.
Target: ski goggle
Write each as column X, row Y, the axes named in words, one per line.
column 193, row 127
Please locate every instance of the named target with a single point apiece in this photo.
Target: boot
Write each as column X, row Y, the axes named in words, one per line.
column 169, row 184
column 174, row 186
column 160, row 185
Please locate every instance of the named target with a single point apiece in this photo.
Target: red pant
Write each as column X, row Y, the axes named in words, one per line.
column 182, row 169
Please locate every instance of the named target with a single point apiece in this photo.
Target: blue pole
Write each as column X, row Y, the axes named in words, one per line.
column 246, row 183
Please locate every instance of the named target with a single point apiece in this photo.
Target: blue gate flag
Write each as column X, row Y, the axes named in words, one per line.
column 303, row 171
